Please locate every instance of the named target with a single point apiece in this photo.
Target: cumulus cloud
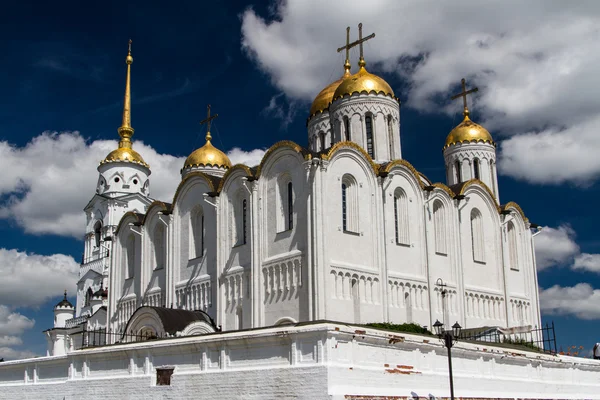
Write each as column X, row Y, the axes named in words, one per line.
column 28, row 280
column 555, row 246
column 580, row 300
column 12, row 326
column 536, row 68
column 587, row 262
column 61, row 167
column 249, row 158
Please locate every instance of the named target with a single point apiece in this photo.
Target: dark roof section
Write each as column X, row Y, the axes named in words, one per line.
column 175, row 320
column 457, row 188
column 64, row 302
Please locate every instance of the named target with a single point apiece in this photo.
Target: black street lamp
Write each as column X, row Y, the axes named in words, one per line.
column 448, row 338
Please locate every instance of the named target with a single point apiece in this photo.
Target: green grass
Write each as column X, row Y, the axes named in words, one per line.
column 406, row 328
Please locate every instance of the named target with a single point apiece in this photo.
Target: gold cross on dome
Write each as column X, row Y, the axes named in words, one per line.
column 464, row 94
column 358, row 42
column 207, row 121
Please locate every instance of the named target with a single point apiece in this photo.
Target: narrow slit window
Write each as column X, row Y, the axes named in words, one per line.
column 244, row 215
column 347, row 128
column 290, row 199
column 458, row 174
column 344, row 207
column 369, row 131
column 476, row 169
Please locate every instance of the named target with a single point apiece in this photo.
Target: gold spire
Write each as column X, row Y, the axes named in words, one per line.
column 467, row 131
column 125, row 152
column 126, row 131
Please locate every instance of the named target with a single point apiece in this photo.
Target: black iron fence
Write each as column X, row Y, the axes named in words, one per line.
column 539, row 339
column 102, row 337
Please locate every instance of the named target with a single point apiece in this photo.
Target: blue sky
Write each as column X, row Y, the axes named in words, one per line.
column 259, row 65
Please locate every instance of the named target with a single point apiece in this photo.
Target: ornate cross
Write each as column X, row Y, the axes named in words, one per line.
column 358, row 42
column 207, row 121
column 464, row 94
column 129, row 46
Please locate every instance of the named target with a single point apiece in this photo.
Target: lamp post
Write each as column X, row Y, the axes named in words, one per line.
column 448, row 338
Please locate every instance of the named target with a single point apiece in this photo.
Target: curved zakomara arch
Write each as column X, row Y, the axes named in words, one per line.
column 479, row 183
column 233, row 170
column 269, row 162
column 422, row 175
column 388, row 167
column 285, row 321
column 143, row 318
column 484, row 193
column 161, row 206
column 359, row 155
column 350, row 145
column 444, row 188
column 284, row 143
column 187, row 178
column 515, row 207
column 197, row 328
column 136, row 218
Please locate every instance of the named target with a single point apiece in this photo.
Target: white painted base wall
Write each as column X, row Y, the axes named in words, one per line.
column 314, row 361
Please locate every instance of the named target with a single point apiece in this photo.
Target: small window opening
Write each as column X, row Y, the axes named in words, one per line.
column 163, row 376
column 476, row 168
column 135, row 181
column 117, row 179
column 369, row 130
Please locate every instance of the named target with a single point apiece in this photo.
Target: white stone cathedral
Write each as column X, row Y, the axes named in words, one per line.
column 344, row 230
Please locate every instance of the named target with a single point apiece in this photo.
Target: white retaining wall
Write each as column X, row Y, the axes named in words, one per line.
column 314, row 361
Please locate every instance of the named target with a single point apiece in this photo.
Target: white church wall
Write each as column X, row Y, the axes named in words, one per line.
column 236, row 256
column 116, row 178
column 153, row 277
column 340, row 361
column 482, row 272
column 283, row 275
column 193, row 269
column 351, row 252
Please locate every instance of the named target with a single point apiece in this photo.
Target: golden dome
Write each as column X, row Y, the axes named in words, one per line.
column 324, row 98
column 363, row 81
column 126, row 154
column 468, row 131
column 207, row 155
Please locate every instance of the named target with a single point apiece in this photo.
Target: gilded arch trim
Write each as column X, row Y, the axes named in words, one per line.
column 231, row 171
column 188, row 177
column 388, row 167
column 284, row 143
column 512, row 204
column 478, row 182
column 445, row 188
column 156, row 203
column 139, row 218
column 344, row 145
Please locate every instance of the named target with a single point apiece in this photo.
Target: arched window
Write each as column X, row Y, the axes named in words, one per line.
column 243, row 225
column 440, row 227
column 347, row 128
column 290, row 207
column 88, row 297
column 159, row 246
column 98, row 233
column 401, row 217
column 390, row 123
column 477, row 236
column 476, row 172
column 349, row 204
column 197, row 232
column 369, row 132
column 493, row 177
column 458, row 172
column 285, row 204
column 513, row 248
column 322, row 137
column 130, row 256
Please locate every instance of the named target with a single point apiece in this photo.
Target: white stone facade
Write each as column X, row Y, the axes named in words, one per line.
column 326, row 361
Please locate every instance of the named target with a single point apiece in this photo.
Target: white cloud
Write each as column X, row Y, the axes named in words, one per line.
column 12, row 326
column 12, row 354
column 12, row 323
column 45, row 185
column 587, row 262
column 250, row 158
column 28, row 280
column 555, row 246
column 536, row 68
column 580, row 300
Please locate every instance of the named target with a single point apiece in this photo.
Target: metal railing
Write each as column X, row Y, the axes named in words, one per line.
column 102, row 337
column 538, row 339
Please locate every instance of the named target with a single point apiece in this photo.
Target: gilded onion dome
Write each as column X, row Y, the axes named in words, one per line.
column 363, row 81
column 468, row 131
column 125, row 153
column 207, row 155
column 325, row 96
